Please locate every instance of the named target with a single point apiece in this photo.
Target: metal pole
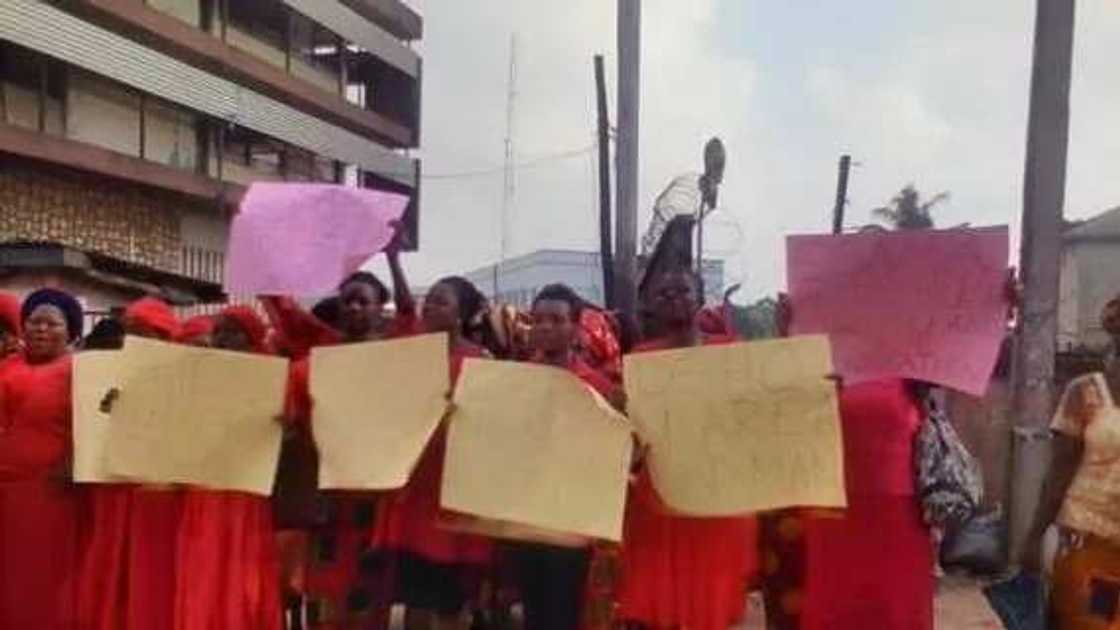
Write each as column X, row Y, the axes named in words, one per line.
column 606, row 255
column 841, row 194
column 629, row 95
column 1043, row 201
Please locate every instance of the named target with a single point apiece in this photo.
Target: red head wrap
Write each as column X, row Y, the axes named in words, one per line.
column 251, row 323
column 154, row 314
column 196, row 326
column 10, row 313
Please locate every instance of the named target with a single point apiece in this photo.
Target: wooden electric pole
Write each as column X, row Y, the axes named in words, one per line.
column 629, row 95
column 1043, row 200
column 606, row 256
column 841, row 194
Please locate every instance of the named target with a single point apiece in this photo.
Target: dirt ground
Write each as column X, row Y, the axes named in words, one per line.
column 959, row 606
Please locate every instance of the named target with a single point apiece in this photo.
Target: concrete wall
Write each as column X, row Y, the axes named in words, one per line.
column 1098, row 266
column 1090, row 278
column 984, row 424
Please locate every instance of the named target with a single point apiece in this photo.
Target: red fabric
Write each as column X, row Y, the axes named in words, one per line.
column 599, row 345
column 592, row 377
column 683, row 572
column 9, row 313
column 872, row 567
column 154, row 314
column 197, row 326
column 300, row 330
column 128, row 569
column 880, row 421
column 153, row 528
column 227, row 564
column 714, row 321
column 408, row 519
column 249, row 322
column 40, row 516
column 102, row 587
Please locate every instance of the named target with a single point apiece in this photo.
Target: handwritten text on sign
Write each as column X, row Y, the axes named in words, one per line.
column 740, row 428
column 927, row 305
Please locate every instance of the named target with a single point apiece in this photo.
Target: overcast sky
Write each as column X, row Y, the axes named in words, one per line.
column 933, row 93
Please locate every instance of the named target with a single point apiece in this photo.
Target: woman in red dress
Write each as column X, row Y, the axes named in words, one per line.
column 40, row 511
column 322, row 537
column 437, row 570
column 679, row 571
column 871, row 566
column 553, row 580
column 227, row 568
column 128, row 568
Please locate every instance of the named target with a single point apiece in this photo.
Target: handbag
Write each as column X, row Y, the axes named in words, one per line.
column 948, row 479
column 975, row 545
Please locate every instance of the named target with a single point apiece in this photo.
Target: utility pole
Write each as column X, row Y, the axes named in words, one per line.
column 1043, row 200
column 629, row 95
column 606, row 256
column 841, row 194
column 508, row 170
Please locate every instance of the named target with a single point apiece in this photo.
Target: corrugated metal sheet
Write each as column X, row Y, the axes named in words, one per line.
column 356, row 28
column 39, row 26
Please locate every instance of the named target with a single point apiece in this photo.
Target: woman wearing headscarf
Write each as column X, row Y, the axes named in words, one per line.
column 196, row 331
column 438, row 571
column 681, row 571
column 128, row 568
column 40, row 510
column 227, row 575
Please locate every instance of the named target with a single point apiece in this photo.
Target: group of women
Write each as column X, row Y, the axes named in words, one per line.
column 136, row 556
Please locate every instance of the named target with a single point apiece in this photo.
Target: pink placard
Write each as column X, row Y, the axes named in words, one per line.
column 303, row 239
column 927, row 305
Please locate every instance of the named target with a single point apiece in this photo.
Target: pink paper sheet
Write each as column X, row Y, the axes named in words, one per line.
column 926, row 305
column 303, row 239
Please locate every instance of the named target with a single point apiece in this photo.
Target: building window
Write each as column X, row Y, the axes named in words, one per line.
column 32, row 90
column 259, row 27
column 189, row 11
column 314, row 53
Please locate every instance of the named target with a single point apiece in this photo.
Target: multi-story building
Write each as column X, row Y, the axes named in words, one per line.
column 516, row 280
column 1090, row 278
column 130, row 128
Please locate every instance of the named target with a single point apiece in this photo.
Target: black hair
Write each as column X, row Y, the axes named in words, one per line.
column 470, row 299
column 69, row 306
column 559, row 292
column 367, row 278
column 326, row 311
column 107, row 334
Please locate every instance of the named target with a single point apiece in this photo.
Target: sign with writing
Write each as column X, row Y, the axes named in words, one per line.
column 739, row 428
column 303, row 239
column 197, row 416
column 389, row 393
column 926, row 305
column 535, row 454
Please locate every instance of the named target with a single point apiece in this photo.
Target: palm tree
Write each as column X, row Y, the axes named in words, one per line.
column 907, row 210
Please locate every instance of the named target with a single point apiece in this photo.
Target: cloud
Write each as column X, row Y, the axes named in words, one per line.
column 930, row 93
